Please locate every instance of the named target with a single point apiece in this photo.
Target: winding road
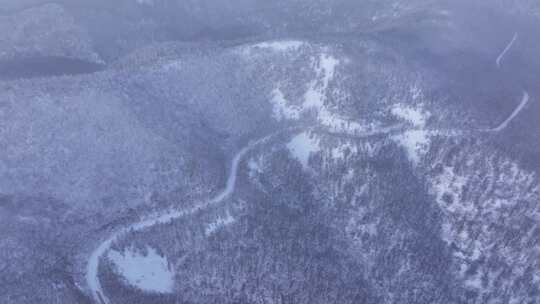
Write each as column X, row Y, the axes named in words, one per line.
column 92, row 269
column 92, row 277
column 506, row 49
column 524, row 100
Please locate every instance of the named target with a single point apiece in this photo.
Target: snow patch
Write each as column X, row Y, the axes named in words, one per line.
column 302, row 146
column 342, row 150
column 349, row 175
column 281, row 108
column 415, row 142
column 338, row 124
column 316, row 96
column 279, row 46
column 148, row 271
column 255, row 166
column 327, row 67
column 314, row 100
column 474, row 281
column 416, row 92
column 219, row 223
column 414, row 116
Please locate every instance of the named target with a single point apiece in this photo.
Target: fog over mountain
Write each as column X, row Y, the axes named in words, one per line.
column 288, row 151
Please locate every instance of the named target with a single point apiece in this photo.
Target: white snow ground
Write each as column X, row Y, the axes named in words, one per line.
column 148, row 271
column 302, row 146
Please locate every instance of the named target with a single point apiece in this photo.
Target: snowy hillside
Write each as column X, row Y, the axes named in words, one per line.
column 294, row 151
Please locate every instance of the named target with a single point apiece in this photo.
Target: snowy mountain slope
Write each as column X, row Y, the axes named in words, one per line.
column 401, row 167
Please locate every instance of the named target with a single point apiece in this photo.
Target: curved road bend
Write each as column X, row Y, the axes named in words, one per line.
column 92, row 278
column 506, row 49
column 524, row 100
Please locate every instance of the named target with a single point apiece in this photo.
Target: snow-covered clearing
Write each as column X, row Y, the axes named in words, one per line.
column 279, row 45
column 148, row 270
column 302, row 146
column 415, row 143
